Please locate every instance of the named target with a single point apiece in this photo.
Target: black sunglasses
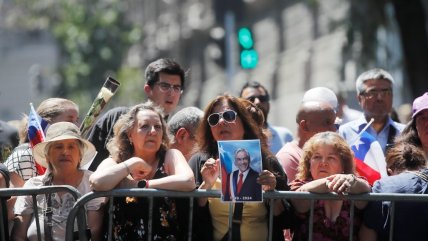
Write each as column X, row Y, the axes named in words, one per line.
column 228, row 116
column 262, row 98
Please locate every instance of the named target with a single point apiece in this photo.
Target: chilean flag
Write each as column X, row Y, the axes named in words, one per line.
column 37, row 127
column 369, row 158
column 226, row 166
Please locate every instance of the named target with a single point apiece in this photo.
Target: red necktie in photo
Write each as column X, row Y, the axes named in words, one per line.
column 239, row 186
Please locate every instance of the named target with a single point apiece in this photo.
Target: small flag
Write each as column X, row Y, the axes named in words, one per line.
column 369, row 158
column 37, row 127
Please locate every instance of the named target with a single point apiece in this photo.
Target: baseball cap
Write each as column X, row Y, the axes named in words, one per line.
column 420, row 104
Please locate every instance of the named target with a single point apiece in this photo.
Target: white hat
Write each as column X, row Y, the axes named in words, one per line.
column 321, row 94
column 63, row 131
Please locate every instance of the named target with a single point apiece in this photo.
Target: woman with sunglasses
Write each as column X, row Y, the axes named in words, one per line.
column 227, row 118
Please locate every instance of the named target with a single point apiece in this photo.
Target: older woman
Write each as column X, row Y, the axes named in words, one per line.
column 140, row 158
column 62, row 153
column 226, row 118
column 21, row 162
column 327, row 166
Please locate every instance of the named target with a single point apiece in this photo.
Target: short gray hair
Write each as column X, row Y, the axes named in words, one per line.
column 187, row 118
column 373, row 74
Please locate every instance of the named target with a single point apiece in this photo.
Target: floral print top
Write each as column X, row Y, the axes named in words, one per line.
column 131, row 215
column 325, row 229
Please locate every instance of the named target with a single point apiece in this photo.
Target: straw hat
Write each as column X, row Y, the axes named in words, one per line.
column 63, row 131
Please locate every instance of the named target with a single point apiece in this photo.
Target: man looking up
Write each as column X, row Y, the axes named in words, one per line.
column 374, row 94
column 313, row 117
column 257, row 93
column 164, row 85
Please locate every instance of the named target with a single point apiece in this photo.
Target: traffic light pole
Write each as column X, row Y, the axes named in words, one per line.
column 230, row 48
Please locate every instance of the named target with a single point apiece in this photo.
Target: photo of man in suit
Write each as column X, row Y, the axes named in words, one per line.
column 242, row 183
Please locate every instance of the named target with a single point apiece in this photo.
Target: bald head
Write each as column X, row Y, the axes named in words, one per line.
column 314, row 117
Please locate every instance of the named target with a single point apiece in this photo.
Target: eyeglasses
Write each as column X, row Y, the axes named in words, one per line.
column 165, row 87
column 262, row 98
column 375, row 93
column 228, row 116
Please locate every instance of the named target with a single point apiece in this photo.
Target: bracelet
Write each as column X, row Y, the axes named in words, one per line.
column 127, row 168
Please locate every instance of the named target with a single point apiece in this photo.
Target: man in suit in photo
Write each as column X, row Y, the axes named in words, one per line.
column 242, row 183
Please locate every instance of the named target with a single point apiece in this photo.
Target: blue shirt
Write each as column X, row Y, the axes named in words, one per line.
column 411, row 220
column 350, row 131
column 280, row 136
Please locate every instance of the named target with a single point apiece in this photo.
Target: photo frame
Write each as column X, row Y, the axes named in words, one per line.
column 241, row 164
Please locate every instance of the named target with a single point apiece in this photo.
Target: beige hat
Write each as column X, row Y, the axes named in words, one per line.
column 63, row 131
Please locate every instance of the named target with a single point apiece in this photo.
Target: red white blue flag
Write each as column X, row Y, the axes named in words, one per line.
column 369, row 157
column 37, row 127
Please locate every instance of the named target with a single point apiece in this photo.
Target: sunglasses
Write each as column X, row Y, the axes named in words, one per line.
column 229, row 116
column 262, row 98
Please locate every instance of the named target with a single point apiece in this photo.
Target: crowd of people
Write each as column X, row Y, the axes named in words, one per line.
column 146, row 146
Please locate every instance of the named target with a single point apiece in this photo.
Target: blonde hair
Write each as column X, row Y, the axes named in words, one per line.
column 329, row 138
column 120, row 147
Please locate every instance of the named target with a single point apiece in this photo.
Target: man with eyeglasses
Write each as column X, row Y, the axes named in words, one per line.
column 164, row 85
column 182, row 127
column 374, row 94
column 257, row 93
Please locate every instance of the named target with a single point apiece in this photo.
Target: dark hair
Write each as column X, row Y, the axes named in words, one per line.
column 255, row 85
column 120, row 146
column 404, row 156
column 167, row 66
column 208, row 144
column 409, row 135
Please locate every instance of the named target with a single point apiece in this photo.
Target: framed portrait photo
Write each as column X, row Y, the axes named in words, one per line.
column 241, row 165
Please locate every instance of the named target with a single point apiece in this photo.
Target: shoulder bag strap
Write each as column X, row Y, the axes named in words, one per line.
column 236, row 222
column 391, row 135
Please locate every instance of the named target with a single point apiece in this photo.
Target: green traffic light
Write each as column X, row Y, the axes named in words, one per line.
column 245, row 38
column 249, row 59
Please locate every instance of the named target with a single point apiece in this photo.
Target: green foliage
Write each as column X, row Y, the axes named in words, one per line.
column 93, row 37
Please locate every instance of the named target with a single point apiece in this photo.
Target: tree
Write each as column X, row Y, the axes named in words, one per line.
column 93, row 37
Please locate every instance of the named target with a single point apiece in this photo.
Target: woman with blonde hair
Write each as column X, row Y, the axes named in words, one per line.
column 327, row 166
column 140, row 157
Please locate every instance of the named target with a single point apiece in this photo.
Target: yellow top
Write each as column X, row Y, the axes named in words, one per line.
column 254, row 225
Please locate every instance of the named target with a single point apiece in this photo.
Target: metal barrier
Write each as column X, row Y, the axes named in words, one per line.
column 151, row 193
column 34, row 192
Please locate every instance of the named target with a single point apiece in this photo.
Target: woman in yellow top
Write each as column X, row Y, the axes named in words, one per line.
column 226, row 118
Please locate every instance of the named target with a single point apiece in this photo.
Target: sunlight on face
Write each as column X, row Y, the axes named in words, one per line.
column 325, row 162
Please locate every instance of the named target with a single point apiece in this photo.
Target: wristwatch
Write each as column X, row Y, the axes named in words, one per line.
column 143, row 183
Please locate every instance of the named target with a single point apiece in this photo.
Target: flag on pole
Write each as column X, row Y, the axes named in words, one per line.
column 37, row 127
column 369, row 157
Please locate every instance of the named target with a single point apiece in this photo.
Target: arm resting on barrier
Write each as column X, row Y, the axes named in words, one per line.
column 180, row 176
column 111, row 174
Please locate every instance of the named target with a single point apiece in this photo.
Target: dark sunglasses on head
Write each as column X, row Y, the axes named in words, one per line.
column 262, row 98
column 228, row 116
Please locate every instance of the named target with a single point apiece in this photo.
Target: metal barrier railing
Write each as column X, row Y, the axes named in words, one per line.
column 34, row 192
column 151, row 193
